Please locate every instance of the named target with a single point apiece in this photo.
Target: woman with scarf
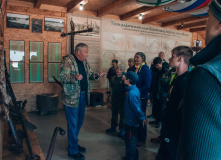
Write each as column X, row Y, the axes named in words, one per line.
column 145, row 76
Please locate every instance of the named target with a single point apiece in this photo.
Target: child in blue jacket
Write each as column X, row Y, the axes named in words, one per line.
column 133, row 114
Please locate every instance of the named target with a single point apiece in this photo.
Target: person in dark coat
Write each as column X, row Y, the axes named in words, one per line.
column 201, row 108
column 143, row 84
column 159, row 90
column 171, row 122
column 153, row 68
column 112, row 71
column 130, row 64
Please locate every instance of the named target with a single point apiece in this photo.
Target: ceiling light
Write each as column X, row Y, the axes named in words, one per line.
column 140, row 17
column 81, row 7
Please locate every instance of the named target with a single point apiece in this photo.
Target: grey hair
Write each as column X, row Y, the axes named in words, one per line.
column 79, row 46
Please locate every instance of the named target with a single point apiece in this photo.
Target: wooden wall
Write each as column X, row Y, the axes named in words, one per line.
column 29, row 90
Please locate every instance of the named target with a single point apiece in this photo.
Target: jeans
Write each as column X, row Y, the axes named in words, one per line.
column 75, row 119
column 142, row 131
column 131, row 139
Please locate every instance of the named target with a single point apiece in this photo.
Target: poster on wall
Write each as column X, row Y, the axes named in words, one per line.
column 54, row 24
column 127, row 37
column 37, row 25
column 84, row 23
column 17, row 21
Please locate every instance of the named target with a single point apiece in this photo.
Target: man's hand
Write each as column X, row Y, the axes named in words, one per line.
column 101, row 74
column 78, row 76
column 144, row 123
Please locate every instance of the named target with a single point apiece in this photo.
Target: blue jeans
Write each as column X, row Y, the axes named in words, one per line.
column 131, row 138
column 75, row 119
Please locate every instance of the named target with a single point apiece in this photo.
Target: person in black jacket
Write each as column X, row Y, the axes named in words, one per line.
column 130, row 64
column 200, row 138
column 158, row 90
column 112, row 71
column 171, row 122
column 152, row 68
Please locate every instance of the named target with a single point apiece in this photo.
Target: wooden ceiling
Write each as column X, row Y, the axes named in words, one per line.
column 126, row 10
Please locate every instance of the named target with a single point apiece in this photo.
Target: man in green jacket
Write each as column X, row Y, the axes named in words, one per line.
column 75, row 75
column 200, row 137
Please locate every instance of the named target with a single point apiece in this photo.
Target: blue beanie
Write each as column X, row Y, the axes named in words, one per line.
column 215, row 8
column 132, row 76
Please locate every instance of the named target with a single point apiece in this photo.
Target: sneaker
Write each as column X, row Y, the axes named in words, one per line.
column 156, row 140
column 111, row 130
column 77, row 156
column 158, row 125
column 153, row 122
column 81, row 149
column 121, row 133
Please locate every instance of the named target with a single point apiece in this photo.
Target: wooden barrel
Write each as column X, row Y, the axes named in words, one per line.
column 47, row 103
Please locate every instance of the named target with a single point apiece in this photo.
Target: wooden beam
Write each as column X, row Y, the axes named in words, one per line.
column 191, row 25
column 35, row 11
column 189, row 19
column 197, row 29
column 72, row 4
column 37, row 3
column 110, row 7
column 136, row 12
column 161, row 16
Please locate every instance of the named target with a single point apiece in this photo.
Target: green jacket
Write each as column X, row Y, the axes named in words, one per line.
column 71, row 87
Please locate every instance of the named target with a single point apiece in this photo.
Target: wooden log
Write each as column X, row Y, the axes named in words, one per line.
column 8, row 155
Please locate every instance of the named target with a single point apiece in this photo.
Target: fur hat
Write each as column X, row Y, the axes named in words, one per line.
column 215, row 8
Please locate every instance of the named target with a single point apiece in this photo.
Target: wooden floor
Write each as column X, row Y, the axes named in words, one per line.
column 8, row 155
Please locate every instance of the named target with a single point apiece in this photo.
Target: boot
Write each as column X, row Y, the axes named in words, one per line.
column 111, row 130
column 121, row 133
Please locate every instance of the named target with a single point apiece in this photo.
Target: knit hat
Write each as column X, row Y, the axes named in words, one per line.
column 115, row 60
column 132, row 76
column 215, row 8
column 131, row 59
column 142, row 55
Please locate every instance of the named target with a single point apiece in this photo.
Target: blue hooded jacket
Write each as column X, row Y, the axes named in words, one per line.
column 134, row 115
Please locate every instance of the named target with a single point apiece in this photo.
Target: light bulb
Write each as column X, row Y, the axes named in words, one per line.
column 81, row 7
column 140, row 17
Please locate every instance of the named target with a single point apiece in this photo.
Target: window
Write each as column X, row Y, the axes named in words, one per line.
column 17, row 61
column 36, row 62
column 54, row 61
